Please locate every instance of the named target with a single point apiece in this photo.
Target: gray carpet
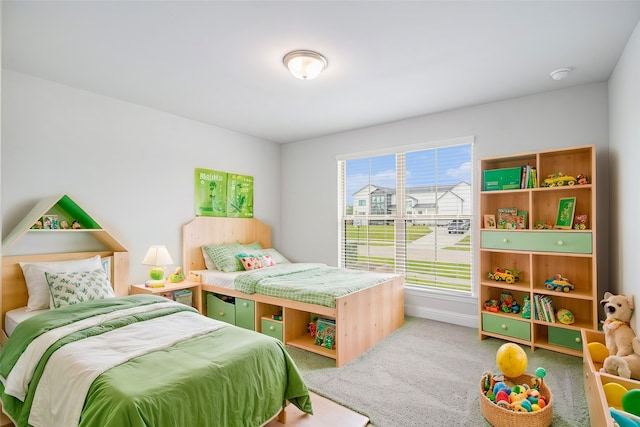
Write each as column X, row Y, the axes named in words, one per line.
column 427, row 373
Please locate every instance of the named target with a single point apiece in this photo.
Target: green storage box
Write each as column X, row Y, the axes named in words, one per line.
column 502, row 179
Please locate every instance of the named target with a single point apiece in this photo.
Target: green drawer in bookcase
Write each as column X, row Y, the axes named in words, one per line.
column 245, row 313
column 220, row 310
column 541, row 241
column 273, row 328
column 508, row 327
column 565, row 337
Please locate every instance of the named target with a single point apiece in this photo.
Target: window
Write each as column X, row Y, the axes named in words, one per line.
column 427, row 238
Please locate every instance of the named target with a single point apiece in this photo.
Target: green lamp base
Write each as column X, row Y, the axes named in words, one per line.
column 156, row 273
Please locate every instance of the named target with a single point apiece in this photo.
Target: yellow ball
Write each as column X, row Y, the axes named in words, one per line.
column 511, row 360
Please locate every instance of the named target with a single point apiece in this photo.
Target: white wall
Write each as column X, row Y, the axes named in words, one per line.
column 130, row 167
column 563, row 118
column 624, row 117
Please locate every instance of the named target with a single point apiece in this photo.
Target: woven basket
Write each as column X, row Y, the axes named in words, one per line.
column 501, row 417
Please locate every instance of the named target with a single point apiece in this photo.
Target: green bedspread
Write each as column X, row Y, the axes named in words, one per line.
column 307, row 282
column 228, row 377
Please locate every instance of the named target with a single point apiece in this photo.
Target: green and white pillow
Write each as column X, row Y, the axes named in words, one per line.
column 76, row 287
column 224, row 255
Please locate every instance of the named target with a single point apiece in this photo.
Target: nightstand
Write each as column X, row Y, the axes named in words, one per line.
column 194, row 287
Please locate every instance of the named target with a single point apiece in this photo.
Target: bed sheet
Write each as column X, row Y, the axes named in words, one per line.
column 13, row 317
column 218, row 278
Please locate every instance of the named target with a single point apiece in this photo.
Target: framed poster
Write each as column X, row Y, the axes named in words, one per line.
column 239, row 196
column 566, row 210
column 210, row 192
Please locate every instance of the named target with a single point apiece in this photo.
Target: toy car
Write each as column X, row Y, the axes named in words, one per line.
column 558, row 180
column 503, row 274
column 559, row 283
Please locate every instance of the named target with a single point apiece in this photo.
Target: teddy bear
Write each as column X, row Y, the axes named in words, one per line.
column 620, row 339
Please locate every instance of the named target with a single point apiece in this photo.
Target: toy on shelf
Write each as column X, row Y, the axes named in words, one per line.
column 543, row 225
column 177, row 277
column 503, row 274
column 580, row 222
column 558, row 180
column 582, row 179
column 621, row 340
column 492, row 305
column 508, row 304
column 75, row 225
column 526, row 308
column 565, row 317
column 559, row 283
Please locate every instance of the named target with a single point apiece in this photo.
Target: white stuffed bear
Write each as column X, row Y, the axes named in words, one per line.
column 621, row 341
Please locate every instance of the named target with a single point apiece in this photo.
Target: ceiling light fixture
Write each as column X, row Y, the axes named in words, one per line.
column 305, row 64
column 560, row 74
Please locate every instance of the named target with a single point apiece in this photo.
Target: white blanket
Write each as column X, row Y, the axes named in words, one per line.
column 17, row 382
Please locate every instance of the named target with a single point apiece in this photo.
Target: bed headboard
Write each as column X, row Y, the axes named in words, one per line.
column 14, row 288
column 204, row 230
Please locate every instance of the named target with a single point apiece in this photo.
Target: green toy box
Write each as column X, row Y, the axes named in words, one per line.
column 502, row 179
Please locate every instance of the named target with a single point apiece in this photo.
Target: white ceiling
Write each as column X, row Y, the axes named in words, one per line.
column 220, row 62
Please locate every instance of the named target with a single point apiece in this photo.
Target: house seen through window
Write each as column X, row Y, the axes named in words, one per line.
column 427, row 238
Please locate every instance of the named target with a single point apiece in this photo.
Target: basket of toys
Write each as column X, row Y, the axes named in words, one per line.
column 515, row 398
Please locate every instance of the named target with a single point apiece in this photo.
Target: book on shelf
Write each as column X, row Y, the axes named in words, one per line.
column 550, row 309
column 507, row 218
column 326, row 333
column 528, row 177
column 521, row 222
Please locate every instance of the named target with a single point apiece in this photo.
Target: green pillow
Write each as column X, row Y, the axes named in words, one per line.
column 225, row 258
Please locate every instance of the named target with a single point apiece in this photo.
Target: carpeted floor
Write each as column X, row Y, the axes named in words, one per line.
column 427, row 373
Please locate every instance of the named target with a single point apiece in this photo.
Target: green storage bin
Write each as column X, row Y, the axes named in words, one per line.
column 245, row 313
column 568, row 338
column 273, row 328
column 507, row 327
column 502, row 179
column 220, row 310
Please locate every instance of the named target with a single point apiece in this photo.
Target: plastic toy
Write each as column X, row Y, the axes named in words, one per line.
column 526, row 308
column 631, row 401
column 621, row 340
column 582, row 179
column 75, row 225
column 558, row 180
column 543, row 225
column 511, row 360
column 492, row 305
column 503, row 274
column 515, row 397
column 508, row 304
column 580, row 222
column 598, row 351
column 559, row 283
column 565, row 316
column 177, row 277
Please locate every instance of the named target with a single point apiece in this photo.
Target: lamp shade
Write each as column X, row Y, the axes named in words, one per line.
column 305, row 64
column 157, row 255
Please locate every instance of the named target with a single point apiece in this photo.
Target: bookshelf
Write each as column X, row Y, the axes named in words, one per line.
column 539, row 251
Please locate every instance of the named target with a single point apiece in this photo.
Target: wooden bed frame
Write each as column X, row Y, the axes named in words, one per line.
column 14, row 288
column 363, row 318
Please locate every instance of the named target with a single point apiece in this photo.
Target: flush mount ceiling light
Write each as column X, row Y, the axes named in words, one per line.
column 305, row 64
column 560, row 74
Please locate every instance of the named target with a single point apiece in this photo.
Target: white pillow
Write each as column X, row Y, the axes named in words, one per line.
column 77, row 287
column 37, row 286
column 207, row 260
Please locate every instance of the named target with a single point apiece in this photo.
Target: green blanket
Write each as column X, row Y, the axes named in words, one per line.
column 307, row 282
column 229, row 377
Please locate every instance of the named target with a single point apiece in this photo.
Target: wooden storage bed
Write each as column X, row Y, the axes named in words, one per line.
column 363, row 318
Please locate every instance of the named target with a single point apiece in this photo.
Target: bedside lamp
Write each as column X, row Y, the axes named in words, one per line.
column 157, row 256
